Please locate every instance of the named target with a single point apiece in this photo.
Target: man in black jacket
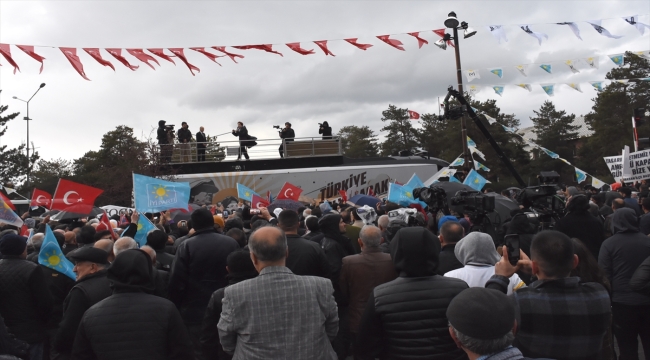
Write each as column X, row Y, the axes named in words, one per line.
column 200, row 144
column 163, row 141
column 286, row 134
column 198, row 270
column 305, row 257
column 405, row 318
column 25, row 301
column 242, row 132
column 326, row 130
column 184, row 137
column 579, row 223
column 450, row 233
column 132, row 324
column 619, row 257
column 92, row 287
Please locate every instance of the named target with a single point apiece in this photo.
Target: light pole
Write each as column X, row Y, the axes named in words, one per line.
column 26, row 118
column 452, row 23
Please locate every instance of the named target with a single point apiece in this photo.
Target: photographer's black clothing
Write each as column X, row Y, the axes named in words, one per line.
column 162, row 135
column 286, row 135
column 243, row 137
column 326, row 131
column 184, row 135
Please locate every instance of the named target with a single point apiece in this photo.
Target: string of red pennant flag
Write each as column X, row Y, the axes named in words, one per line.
column 139, row 53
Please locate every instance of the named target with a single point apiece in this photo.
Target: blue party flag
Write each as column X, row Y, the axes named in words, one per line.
column 549, row 89
column 580, row 175
column 498, row 89
column 415, row 182
column 470, row 142
column 52, row 257
column 453, row 179
column 479, row 166
column 497, row 71
column 458, row 162
column 155, row 195
column 618, row 59
column 245, row 193
column 475, row 180
column 546, row 67
column 550, row 153
column 144, row 227
column 401, row 195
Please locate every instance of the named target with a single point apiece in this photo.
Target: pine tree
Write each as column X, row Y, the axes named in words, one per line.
column 358, row 141
column 401, row 134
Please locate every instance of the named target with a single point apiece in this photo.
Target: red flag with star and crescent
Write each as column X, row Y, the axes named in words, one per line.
column 75, row 197
column 107, row 222
column 258, row 202
column 289, row 192
column 41, row 198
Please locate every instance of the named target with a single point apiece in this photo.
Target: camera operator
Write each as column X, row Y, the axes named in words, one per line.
column 326, row 130
column 184, row 137
column 287, row 134
column 166, row 145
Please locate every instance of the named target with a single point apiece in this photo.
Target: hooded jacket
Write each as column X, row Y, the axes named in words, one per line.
column 336, row 247
column 406, row 318
column 154, row 326
column 579, row 223
column 477, row 253
column 621, row 254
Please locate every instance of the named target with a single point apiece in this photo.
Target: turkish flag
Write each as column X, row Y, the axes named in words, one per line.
column 161, row 54
column 421, row 41
column 75, row 197
column 140, row 55
column 107, row 222
column 289, row 192
column 212, row 56
column 117, row 53
column 344, row 195
column 371, row 192
column 264, row 47
column 71, row 54
column 95, row 54
column 41, row 198
column 413, row 115
column 179, row 54
column 29, row 50
column 258, row 202
column 24, row 231
column 441, row 33
column 232, row 56
column 7, row 201
column 322, row 44
column 5, row 50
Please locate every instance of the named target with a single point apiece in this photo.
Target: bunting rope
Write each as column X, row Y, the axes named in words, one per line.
column 497, row 31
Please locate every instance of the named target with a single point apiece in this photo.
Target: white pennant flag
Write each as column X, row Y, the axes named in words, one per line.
column 592, row 62
column 498, row 32
column 473, row 89
column 476, row 151
column 597, row 183
column 601, row 30
column 472, row 74
column 523, row 69
column 634, row 21
column 490, row 119
column 624, row 81
column 575, row 86
column 571, row 64
column 537, row 35
column 644, row 54
column 573, row 27
column 526, row 86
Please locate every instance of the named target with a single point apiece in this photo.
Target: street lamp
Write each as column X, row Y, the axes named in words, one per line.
column 26, row 118
column 452, row 23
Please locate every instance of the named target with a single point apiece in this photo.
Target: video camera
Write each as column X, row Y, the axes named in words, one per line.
column 542, row 199
column 472, row 203
column 434, row 196
column 276, row 127
column 405, row 215
column 169, row 127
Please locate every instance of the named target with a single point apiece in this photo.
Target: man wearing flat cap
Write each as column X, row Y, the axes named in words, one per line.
column 25, row 300
column 482, row 323
column 92, row 287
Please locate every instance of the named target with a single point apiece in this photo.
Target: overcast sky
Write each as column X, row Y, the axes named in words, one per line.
column 70, row 114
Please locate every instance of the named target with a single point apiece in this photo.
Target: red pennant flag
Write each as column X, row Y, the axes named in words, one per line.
column 264, row 47
column 5, row 50
column 354, row 42
column 212, row 56
column 7, row 201
column 71, row 54
column 441, row 33
column 258, row 202
column 296, row 47
column 29, row 50
column 95, row 54
column 161, row 53
column 421, row 41
column 289, row 192
column 41, row 198
column 230, row 55
column 117, row 53
column 107, row 222
column 344, row 195
column 24, row 230
column 413, row 115
column 322, row 44
column 179, row 53
column 75, row 197
column 140, row 55
column 371, row 192
column 392, row 42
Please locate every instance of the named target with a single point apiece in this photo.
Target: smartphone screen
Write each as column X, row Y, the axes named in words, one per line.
column 512, row 242
column 226, row 213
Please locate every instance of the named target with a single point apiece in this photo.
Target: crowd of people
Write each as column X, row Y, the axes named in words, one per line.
column 333, row 281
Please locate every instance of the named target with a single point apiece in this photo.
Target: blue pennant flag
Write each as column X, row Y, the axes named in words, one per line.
column 475, row 180
column 401, row 195
column 598, row 85
column 479, row 166
column 52, row 257
column 498, row 89
column 458, row 162
column 550, row 153
column 155, row 195
column 509, row 129
column 580, row 175
column 144, row 227
column 415, row 182
column 549, row 89
column 470, row 142
column 245, row 193
column 497, row 71
column 546, row 67
column 452, row 178
column 618, row 59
